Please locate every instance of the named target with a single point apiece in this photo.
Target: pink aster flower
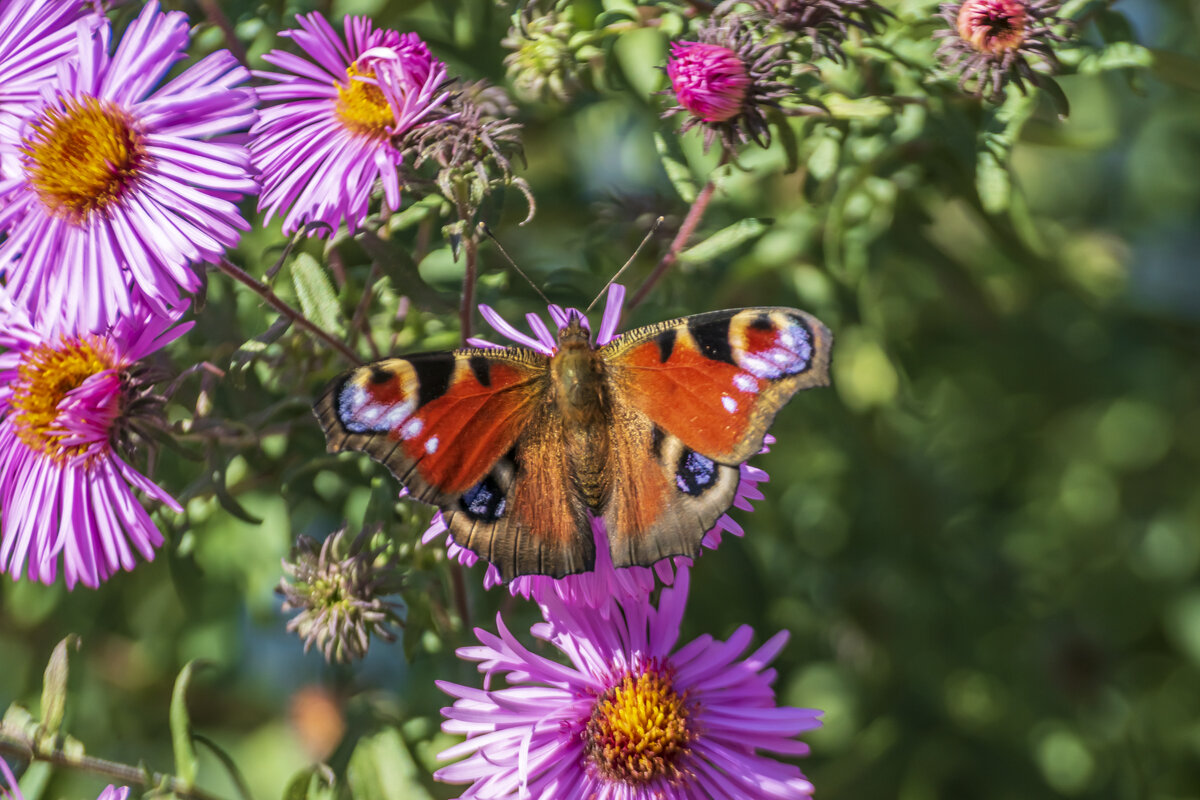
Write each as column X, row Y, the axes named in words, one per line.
column 628, row 717
column 338, row 118
column 33, row 37
column 69, row 396
column 604, row 581
column 123, row 184
column 709, row 80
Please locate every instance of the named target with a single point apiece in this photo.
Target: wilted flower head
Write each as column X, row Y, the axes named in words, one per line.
column 989, row 42
column 116, row 185
column 339, row 586
column 628, row 716
column 826, row 23
column 728, row 80
column 332, row 123
column 473, row 146
column 543, row 65
column 71, row 401
column 605, row 581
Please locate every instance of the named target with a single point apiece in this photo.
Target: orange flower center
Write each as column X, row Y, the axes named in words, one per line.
column 362, row 106
column 993, row 26
column 639, row 728
column 45, row 376
column 82, row 157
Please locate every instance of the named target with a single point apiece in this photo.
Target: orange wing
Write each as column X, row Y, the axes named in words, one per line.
column 693, row 398
column 717, row 380
column 467, row 431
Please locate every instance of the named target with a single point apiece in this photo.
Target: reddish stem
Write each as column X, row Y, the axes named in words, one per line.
column 694, row 215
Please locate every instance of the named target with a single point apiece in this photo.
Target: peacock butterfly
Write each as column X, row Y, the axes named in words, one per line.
column 520, row 449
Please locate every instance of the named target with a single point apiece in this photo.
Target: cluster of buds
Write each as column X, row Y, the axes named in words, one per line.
column 825, row 24
column 339, row 587
column 543, row 65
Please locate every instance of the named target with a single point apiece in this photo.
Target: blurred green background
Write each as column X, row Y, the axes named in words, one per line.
column 984, row 538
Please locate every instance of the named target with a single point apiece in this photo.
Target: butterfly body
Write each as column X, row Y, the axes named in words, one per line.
column 521, row 450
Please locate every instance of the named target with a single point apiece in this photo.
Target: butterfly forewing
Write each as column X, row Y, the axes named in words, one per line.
column 438, row 421
column 717, row 380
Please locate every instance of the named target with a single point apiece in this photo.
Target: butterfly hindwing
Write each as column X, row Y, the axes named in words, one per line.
column 716, row 380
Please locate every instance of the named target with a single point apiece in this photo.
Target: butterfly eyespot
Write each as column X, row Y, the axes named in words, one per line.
column 380, row 375
column 745, row 382
column 774, row 351
column 484, row 501
column 695, row 474
column 410, row 429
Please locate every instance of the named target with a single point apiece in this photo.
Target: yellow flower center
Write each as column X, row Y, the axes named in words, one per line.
column 82, row 157
column 639, row 728
column 44, row 377
column 362, row 106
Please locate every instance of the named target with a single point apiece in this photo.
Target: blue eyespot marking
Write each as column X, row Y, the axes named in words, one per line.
column 695, row 474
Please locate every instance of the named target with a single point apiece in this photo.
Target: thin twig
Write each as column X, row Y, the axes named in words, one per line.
column 23, row 749
column 694, row 215
column 466, row 310
column 359, row 322
column 265, row 292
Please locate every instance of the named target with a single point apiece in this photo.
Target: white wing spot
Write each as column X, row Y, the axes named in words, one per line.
column 746, row 382
column 412, row 428
column 431, row 445
column 729, row 403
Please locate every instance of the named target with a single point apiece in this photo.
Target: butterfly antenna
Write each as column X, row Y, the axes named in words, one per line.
column 483, row 227
column 653, row 230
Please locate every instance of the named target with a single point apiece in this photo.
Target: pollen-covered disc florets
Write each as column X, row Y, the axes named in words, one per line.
column 728, row 80
column 640, row 727
column 339, row 587
column 989, row 42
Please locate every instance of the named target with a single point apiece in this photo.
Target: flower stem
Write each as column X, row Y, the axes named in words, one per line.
column 695, row 213
column 25, row 749
column 264, row 291
column 467, row 308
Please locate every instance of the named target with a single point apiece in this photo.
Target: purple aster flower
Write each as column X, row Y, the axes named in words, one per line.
column 339, row 118
column 710, row 81
column 69, row 398
column 729, row 80
column 33, row 37
column 990, row 43
column 123, row 184
column 628, row 717
column 604, row 581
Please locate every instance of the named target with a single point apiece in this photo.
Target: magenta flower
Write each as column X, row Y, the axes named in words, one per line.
column 339, row 115
column 628, row 717
column 68, row 397
column 710, row 81
column 604, row 581
column 33, row 37
column 122, row 186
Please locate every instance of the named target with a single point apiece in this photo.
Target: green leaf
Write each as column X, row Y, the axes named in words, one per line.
column 181, row 725
column 1177, row 68
column 842, row 107
column 317, row 298
column 724, row 240
column 227, row 761
column 1118, row 55
column 312, row 783
column 54, row 685
column 675, row 165
column 823, row 162
column 382, row 768
column 993, row 182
